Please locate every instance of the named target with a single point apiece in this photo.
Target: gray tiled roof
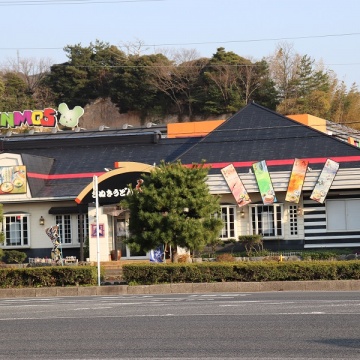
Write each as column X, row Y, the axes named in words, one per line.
column 253, row 134
column 66, row 153
column 256, row 133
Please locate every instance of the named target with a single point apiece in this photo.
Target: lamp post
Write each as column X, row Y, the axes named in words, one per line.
column 95, row 188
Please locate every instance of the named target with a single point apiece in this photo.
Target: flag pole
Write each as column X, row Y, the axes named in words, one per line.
column 95, row 187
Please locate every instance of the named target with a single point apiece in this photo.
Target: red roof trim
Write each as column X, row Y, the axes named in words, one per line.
column 237, row 164
column 62, row 176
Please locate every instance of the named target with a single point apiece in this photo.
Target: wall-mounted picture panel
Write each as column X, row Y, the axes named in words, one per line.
column 12, row 179
column 324, row 181
column 296, row 181
column 236, row 186
column 264, row 182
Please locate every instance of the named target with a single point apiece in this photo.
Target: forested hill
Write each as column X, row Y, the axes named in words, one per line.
column 180, row 86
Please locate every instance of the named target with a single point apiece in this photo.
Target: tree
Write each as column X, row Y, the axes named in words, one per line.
column 15, row 95
column 87, row 74
column 174, row 207
column 304, row 85
column 283, row 68
column 30, row 69
column 258, row 85
column 131, row 87
column 224, row 93
column 178, row 78
column 345, row 105
column 33, row 72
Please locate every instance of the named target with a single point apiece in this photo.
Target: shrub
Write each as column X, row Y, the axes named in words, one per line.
column 253, row 244
column 48, row 276
column 14, row 256
column 225, row 257
column 319, row 255
column 241, row 271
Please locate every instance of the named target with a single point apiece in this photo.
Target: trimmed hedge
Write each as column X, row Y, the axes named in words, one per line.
column 146, row 274
column 48, row 276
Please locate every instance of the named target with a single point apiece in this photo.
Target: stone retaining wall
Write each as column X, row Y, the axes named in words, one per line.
column 188, row 288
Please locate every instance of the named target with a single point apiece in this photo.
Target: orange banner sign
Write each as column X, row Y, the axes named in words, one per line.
column 296, row 181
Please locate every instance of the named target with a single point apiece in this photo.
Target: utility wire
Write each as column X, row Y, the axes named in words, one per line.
column 69, row 2
column 200, row 43
column 256, row 40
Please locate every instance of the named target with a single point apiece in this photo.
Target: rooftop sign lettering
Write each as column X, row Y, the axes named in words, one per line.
column 45, row 118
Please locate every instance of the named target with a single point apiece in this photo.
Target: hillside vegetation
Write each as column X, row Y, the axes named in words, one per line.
column 177, row 86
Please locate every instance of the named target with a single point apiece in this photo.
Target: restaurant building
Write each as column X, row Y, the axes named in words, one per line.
column 295, row 184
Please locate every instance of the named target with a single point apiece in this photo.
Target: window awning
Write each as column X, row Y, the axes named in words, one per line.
column 61, row 210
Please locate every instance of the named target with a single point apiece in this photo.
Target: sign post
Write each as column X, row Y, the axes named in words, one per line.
column 95, row 188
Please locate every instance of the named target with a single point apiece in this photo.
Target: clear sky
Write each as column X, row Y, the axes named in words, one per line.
column 327, row 30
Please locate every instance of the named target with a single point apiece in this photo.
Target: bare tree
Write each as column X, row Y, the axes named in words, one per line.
column 31, row 70
column 133, row 48
column 283, row 68
column 225, row 77
column 177, row 78
column 250, row 76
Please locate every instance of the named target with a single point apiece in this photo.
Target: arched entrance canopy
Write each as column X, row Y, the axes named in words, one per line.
column 114, row 185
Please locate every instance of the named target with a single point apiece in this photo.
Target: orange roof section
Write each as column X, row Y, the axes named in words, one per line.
column 310, row 120
column 192, row 129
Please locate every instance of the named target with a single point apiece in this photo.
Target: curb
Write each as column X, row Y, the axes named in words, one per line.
column 184, row 288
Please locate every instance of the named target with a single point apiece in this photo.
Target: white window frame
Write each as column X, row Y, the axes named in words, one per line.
column 293, row 220
column 342, row 215
column 22, row 232
column 274, row 217
column 65, row 228
column 85, row 227
column 229, row 230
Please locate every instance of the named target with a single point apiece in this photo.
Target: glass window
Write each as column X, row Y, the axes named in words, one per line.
column 228, row 216
column 16, row 229
column 293, row 219
column 343, row 215
column 85, row 226
column 64, row 222
column 267, row 220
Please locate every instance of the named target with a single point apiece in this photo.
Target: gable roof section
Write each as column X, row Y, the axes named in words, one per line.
column 61, row 168
column 256, row 133
column 36, row 164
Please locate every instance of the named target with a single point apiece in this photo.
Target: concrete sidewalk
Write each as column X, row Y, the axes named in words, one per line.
column 187, row 288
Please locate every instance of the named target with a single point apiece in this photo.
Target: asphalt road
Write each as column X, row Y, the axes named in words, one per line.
column 274, row 325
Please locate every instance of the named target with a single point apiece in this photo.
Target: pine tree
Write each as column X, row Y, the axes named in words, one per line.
column 173, row 206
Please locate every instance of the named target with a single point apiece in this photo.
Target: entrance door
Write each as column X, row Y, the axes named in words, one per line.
column 122, row 233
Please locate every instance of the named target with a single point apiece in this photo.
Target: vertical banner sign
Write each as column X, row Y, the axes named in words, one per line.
column 235, row 185
column 264, row 182
column 296, row 182
column 324, row 181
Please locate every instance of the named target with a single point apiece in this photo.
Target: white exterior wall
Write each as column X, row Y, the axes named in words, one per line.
column 37, row 236
column 104, row 242
column 345, row 181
